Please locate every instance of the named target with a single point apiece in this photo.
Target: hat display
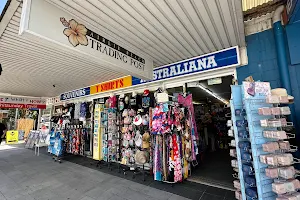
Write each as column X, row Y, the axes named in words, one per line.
column 137, row 120
column 138, row 139
column 146, row 92
column 146, row 140
column 282, row 92
column 141, row 157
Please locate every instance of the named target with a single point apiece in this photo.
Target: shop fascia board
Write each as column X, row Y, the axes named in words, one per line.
column 37, row 37
column 178, row 80
column 16, row 45
column 78, row 54
column 131, row 42
column 167, row 83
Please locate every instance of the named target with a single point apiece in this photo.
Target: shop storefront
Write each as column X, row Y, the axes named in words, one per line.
column 130, row 121
column 21, row 113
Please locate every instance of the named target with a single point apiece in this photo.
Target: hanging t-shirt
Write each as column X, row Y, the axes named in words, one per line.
column 77, row 111
column 112, row 102
column 135, row 102
column 83, row 108
column 148, row 101
column 121, row 104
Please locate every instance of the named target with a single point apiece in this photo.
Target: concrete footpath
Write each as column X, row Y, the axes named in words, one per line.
column 24, row 176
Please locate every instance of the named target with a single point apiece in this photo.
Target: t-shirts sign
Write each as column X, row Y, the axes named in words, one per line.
column 111, row 85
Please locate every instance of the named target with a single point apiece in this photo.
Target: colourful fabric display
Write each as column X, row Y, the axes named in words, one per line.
column 175, row 141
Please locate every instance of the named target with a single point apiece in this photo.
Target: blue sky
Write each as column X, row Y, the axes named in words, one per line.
column 2, row 4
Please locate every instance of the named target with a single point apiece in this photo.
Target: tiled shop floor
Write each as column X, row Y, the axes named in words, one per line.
column 24, row 176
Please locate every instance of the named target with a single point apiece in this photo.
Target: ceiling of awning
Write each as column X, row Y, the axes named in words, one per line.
column 164, row 30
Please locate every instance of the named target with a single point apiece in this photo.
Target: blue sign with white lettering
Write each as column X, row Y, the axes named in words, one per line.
column 225, row 58
column 75, row 93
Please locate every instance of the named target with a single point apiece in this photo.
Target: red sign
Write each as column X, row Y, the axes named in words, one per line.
column 27, row 106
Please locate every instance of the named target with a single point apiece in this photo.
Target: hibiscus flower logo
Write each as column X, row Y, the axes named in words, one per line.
column 75, row 32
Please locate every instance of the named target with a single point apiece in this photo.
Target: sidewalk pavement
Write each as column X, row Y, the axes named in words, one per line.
column 24, row 176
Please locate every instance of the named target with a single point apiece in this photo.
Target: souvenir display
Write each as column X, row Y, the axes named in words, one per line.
column 75, row 139
column 174, row 147
column 72, row 124
column 99, row 130
column 128, row 136
column 264, row 157
column 111, row 136
column 136, row 131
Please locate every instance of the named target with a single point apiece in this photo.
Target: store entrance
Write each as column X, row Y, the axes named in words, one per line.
column 210, row 99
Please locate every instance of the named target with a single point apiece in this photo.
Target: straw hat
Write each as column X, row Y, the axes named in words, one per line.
column 146, row 140
column 282, row 92
column 141, row 157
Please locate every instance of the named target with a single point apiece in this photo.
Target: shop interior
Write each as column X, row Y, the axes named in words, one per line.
column 210, row 98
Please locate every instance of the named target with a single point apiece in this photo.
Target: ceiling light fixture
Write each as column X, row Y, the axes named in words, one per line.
column 213, row 94
column 197, row 103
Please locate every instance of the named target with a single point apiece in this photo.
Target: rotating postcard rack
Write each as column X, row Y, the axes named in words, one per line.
column 261, row 150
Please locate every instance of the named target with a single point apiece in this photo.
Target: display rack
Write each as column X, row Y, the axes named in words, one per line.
column 251, row 142
column 237, row 103
column 263, row 183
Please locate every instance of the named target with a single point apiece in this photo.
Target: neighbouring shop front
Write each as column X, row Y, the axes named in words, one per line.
column 21, row 114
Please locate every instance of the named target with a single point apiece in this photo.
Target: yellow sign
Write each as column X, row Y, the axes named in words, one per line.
column 12, row 137
column 98, row 132
column 111, row 85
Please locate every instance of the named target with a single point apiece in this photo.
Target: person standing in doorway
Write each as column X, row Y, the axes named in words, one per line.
column 2, row 132
column 210, row 131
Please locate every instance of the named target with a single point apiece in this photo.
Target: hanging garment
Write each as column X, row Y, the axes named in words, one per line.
column 77, row 111
column 83, row 109
column 188, row 102
column 177, row 159
column 157, row 160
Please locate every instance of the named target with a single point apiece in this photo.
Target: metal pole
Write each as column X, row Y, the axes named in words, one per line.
column 16, row 119
column 39, row 119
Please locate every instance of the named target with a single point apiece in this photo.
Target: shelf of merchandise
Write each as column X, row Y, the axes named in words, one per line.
column 236, row 103
column 263, row 183
column 250, row 106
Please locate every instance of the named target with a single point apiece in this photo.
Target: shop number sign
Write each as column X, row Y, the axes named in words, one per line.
column 12, row 137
